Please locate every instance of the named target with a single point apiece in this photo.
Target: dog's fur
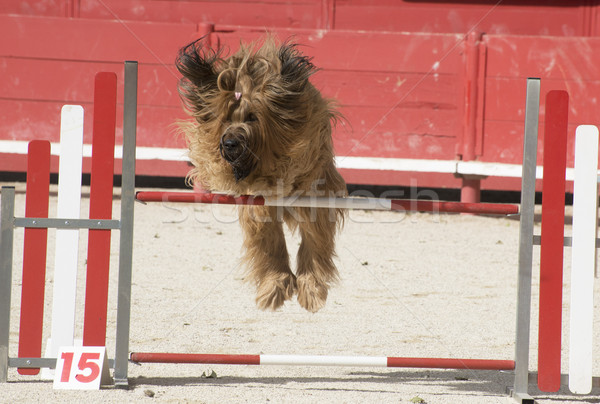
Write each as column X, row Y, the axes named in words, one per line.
column 261, row 128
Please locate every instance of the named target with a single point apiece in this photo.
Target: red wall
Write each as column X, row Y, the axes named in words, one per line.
column 400, row 69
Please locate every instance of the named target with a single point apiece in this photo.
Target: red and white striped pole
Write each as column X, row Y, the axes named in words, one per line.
column 326, row 202
column 323, row 360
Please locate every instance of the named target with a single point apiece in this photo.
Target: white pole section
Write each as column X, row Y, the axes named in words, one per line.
column 67, row 240
column 315, row 360
column 585, row 217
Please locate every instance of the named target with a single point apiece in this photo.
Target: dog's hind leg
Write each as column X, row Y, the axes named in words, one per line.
column 316, row 270
column 266, row 256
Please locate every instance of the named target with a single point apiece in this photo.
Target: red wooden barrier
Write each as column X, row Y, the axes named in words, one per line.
column 551, row 252
column 34, row 254
column 561, row 18
column 98, row 261
column 415, row 78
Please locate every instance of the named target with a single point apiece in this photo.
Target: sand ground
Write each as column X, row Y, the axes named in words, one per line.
column 423, row 285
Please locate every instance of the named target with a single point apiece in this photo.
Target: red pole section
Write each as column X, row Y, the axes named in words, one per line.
column 323, row 202
column 199, row 197
column 101, row 192
column 449, row 363
column 151, row 357
column 454, row 207
column 34, row 254
column 552, row 235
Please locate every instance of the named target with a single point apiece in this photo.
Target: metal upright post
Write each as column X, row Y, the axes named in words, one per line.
column 127, row 208
column 7, row 216
column 520, row 391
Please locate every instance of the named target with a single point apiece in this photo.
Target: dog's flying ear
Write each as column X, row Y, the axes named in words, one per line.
column 196, row 63
column 295, row 67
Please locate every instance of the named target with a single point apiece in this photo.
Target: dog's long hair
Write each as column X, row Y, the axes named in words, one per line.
column 265, row 94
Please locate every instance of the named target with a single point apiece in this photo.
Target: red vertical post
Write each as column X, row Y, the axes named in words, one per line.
column 205, row 30
column 327, row 14
column 552, row 235
column 34, row 254
column 101, row 193
column 471, row 185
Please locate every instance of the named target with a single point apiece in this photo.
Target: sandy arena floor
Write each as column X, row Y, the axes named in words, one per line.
column 424, row 285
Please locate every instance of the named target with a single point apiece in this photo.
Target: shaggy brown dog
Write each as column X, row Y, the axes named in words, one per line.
column 261, row 128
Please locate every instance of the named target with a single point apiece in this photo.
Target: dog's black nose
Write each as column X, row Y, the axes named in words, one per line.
column 231, row 144
column 233, row 147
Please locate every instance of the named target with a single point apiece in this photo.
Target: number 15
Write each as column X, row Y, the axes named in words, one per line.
column 85, row 362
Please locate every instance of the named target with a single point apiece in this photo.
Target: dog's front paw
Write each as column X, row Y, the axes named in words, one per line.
column 311, row 294
column 272, row 293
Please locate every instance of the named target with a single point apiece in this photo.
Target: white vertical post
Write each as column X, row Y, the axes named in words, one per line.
column 585, row 217
column 67, row 240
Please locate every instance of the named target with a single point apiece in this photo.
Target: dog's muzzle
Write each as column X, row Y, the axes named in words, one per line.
column 234, row 149
column 233, row 144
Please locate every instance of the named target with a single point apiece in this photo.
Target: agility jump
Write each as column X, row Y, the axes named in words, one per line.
column 549, row 372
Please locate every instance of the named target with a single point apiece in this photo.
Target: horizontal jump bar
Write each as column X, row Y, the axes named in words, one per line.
column 316, row 360
column 537, row 240
column 34, row 363
column 564, row 380
column 325, row 202
column 51, row 223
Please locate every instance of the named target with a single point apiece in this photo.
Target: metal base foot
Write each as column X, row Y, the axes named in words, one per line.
column 522, row 398
column 122, row 384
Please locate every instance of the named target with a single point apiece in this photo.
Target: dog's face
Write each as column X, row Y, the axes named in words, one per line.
column 251, row 107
